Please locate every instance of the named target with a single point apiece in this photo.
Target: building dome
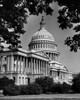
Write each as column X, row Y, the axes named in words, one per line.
column 42, row 34
column 42, row 39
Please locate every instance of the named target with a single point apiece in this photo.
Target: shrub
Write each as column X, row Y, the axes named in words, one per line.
column 61, row 88
column 33, row 89
column 5, row 82
column 76, row 83
column 66, row 87
column 11, row 90
column 23, row 89
column 57, row 88
column 46, row 83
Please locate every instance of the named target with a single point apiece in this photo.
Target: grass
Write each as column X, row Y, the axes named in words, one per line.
column 43, row 97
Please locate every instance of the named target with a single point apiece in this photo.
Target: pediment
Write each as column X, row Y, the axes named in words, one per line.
column 42, row 53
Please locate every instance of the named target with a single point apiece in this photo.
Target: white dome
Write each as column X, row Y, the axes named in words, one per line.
column 42, row 34
column 42, row 39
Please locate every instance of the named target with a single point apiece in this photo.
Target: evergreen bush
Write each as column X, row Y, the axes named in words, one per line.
column 23, row 89
column 4, row 81
column 33, row 89
column 76, row 83
column 46, row 83
column 57, row 88
column 66, row 88
column 11, row 90
column 30, row 89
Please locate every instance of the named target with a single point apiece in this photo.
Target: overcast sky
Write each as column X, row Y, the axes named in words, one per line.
column 70, row 59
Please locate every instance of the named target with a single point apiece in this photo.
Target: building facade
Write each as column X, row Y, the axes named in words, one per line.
column 41, row 59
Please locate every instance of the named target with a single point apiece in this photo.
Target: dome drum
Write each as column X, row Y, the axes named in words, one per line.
column 42, row 40
column 43, row 45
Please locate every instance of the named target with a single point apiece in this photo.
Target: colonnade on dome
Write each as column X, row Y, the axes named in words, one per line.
column 37, row 45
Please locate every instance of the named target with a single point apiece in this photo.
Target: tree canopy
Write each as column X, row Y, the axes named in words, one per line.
column 14, row 13
column 69, row 17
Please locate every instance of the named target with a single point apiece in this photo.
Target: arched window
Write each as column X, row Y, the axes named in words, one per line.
column 28, row 80
column 51, row 72
column 36, row 45
column 41, row 45
column 19, row 80
column 14, row 79
column 22, row 80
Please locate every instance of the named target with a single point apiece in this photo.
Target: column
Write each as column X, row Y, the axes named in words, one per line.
column 1, row 65
column 46, row 68
column 12, row 62
column 17, row 68
column 39, row 66
column 23, row 65
column 26, row 70
column 31, row 67
column 51, row 55
column 34, row 66
column 7, row 63
column 54, row 57
column 29, row 63
column 42, row 67
column 20, row 63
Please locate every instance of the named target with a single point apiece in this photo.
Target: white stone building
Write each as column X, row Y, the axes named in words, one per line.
column 41, row 59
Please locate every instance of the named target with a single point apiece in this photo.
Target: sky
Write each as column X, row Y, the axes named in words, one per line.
column 69, row 59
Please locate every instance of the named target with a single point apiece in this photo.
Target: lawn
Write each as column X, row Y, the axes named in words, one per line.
column 43, row 97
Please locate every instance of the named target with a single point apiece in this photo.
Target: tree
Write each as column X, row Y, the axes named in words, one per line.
column 69, row 17
column 76, row 83
column 13, row 14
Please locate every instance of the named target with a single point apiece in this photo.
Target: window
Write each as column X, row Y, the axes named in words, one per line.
column 50, row 72
column 28, row 80
column 43, row 45
column 19, row 80
column 61, row 76
column 22, row 80
column 14, row 79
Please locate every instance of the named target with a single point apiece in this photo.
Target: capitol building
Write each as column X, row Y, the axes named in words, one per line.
column 41, row 59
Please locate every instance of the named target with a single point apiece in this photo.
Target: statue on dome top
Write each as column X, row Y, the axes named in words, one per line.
column 42, row 23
